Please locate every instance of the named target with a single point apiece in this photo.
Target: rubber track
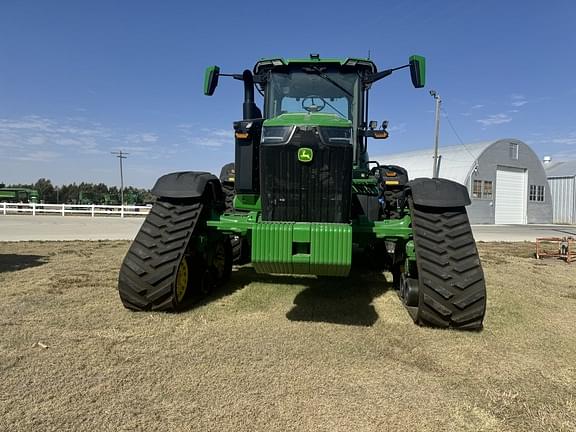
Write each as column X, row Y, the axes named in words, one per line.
column 148, row 272
column 452, row 291
column 229, row 194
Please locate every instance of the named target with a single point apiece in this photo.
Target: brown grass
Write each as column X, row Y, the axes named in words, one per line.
column 272, row 353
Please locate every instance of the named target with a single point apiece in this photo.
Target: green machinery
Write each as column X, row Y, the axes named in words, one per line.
column 18, row 195
column 301, row 195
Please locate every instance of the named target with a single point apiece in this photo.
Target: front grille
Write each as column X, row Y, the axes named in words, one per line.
column 316, row 191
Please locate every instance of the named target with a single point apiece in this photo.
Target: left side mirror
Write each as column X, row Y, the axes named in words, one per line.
column 418, row 71
column 211, row 79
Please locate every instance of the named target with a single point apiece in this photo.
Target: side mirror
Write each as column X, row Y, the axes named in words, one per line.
column 211, row 79
column 418, row 71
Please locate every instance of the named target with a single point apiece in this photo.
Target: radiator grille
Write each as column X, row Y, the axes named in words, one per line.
column 315, row 191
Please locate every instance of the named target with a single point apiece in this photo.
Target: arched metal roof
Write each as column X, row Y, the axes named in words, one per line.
column 561, row 169
column 457, row 162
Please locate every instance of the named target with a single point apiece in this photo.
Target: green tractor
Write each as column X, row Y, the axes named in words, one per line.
column 301, row 195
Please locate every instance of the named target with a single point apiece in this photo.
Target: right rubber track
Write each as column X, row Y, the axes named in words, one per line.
column 148, row 272
column 229, row 195
column 452, row 291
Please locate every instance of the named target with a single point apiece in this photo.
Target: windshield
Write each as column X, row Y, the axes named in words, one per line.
column 312, row 90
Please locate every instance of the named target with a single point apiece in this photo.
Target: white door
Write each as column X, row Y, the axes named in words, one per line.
column 511, row 194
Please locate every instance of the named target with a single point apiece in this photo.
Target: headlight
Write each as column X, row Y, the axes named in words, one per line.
column 336, row 135
column 276, row 134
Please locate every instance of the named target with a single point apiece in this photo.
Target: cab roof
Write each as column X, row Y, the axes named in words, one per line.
column 353, row 62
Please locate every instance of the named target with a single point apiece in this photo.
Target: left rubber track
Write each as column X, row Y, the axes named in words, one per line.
column 148, row 274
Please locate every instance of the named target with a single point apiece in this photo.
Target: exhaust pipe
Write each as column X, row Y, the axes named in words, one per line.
column 249, row 108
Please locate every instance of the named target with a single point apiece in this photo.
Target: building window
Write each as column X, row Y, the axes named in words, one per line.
column 477, row 189
column 487, row 190
column 514, row 151
column 536, row 193
column 482, row 189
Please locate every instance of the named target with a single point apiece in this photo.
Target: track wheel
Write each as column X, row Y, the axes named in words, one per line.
column 157, row 272
column 451, row 290
column 222, row 260
column 182, row 280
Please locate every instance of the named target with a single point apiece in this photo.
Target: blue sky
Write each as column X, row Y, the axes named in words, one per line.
column 79, row 79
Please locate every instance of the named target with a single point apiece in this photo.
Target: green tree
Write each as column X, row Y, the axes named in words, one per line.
column 46, row 191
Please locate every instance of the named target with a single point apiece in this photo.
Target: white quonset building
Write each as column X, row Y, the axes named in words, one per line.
column 505, row 179
column 562, row 181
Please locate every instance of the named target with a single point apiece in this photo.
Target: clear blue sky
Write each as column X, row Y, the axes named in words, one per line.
column 79, row 79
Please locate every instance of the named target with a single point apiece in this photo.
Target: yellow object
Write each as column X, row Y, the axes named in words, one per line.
column 182, row 280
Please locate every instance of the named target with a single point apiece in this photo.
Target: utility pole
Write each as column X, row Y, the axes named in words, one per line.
column 436, row 166
column 121, row 155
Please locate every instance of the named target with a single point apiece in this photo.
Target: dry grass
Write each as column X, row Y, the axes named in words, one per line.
column 275, row 353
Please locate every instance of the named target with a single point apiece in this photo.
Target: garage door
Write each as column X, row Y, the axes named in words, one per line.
column 511, row 191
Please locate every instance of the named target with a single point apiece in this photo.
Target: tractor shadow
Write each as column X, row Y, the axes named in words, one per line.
column 346, row 301
column 14, row 262
column 334, row 300
column 241, row 277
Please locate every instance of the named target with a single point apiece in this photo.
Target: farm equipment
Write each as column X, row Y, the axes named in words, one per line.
column 18, row 195
column 301, row 195
column 556, row 247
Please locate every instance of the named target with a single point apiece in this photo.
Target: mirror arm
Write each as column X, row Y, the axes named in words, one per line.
column 235, row 76
column 382, row 74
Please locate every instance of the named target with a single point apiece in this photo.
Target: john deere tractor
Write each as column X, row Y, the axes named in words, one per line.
column 301, row 195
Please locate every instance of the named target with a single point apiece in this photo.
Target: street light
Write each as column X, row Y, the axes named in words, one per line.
column 436, row 166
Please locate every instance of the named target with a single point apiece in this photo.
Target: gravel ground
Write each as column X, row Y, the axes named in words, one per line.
column 277, row 353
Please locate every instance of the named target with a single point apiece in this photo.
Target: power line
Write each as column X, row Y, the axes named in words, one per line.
column 456, row 133
column 121, row 155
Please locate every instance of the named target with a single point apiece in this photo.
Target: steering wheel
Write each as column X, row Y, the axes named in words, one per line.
column 312, row 107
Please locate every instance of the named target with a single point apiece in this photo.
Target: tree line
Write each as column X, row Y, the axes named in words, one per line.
column 85, row 193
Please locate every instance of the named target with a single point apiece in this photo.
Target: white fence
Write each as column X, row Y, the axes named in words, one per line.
column 73, row 209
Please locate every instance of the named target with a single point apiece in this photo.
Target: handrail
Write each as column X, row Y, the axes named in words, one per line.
column 92, row 210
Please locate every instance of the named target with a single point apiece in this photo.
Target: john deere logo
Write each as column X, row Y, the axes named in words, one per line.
column 305, row 154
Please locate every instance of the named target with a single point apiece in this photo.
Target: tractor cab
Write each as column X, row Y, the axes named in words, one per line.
column 327, row 92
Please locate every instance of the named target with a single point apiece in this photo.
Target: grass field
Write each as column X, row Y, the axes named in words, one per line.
column 274, row 353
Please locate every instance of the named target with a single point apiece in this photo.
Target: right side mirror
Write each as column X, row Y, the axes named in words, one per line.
column 418, row 71
column 211, row 79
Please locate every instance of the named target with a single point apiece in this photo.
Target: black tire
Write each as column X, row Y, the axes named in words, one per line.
column 148, row 275
column 451, row 287
column 221, row 265
column 229, row 194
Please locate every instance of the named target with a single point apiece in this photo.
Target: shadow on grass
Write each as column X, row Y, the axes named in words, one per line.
column 242, row 277
column 13, row 262
column 335, row 300
column 346, row 301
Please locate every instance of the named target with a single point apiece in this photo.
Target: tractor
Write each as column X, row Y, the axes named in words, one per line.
column 301, row 195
